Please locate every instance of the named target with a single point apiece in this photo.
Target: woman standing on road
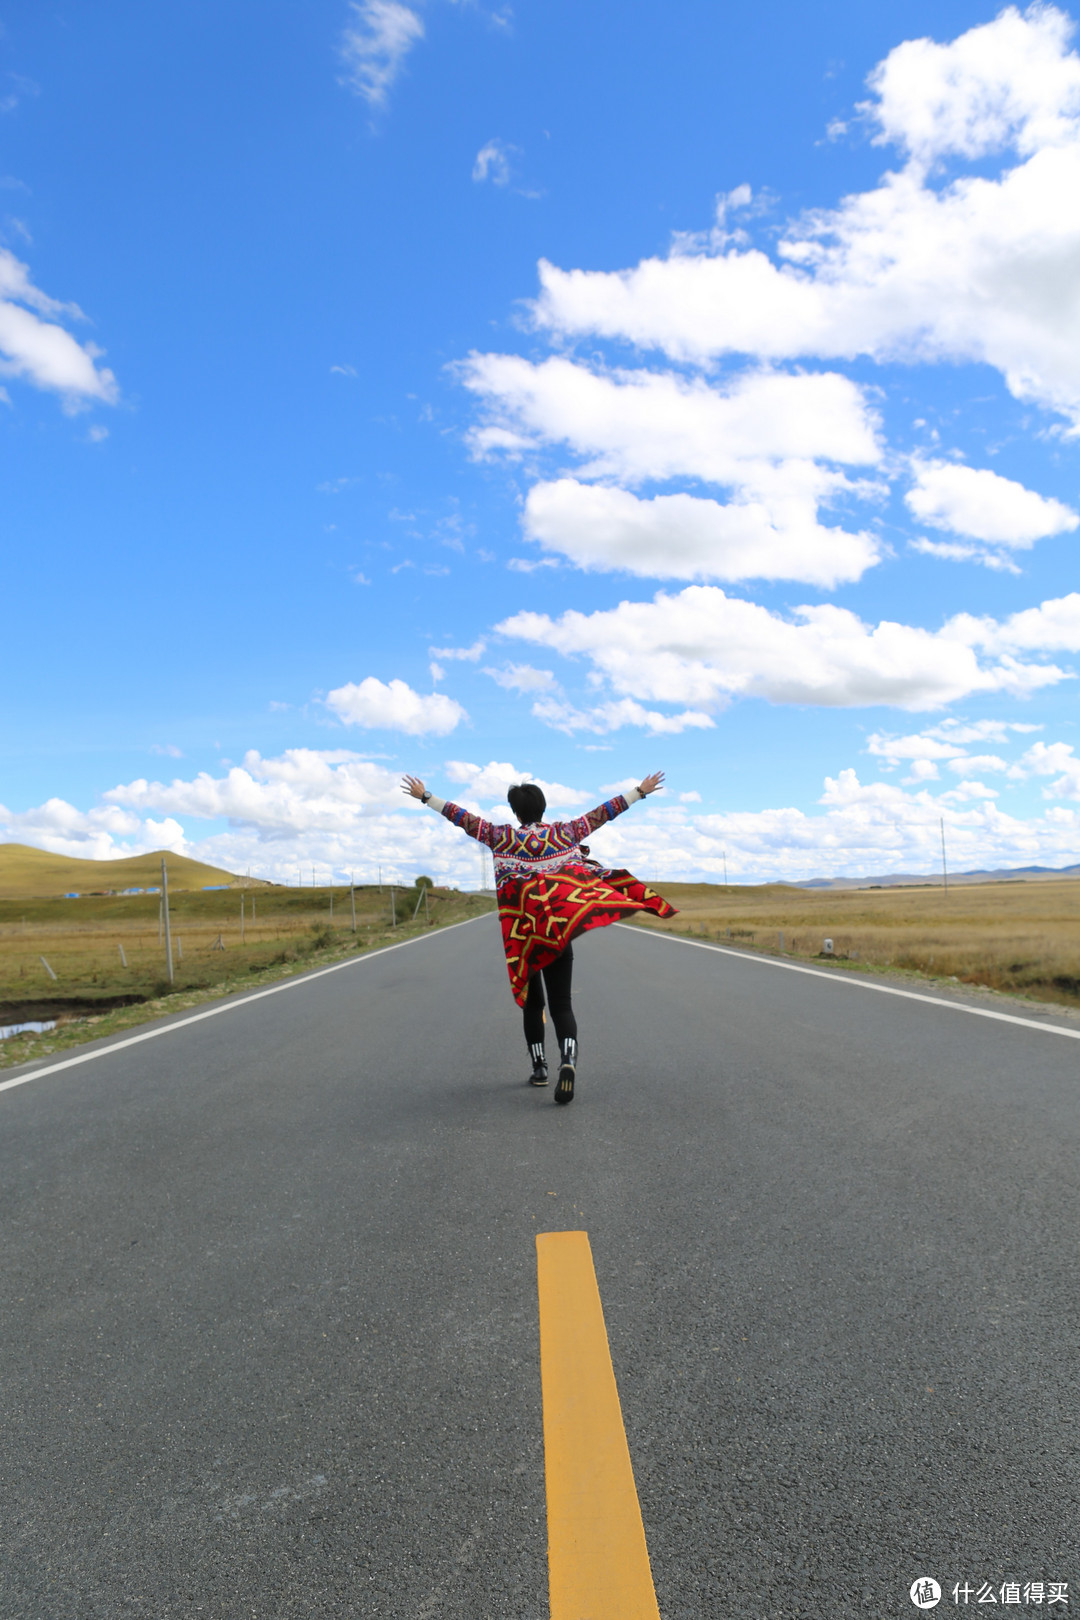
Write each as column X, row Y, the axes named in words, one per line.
column 550, row 892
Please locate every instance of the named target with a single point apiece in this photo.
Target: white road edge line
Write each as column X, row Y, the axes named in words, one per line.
column 226, row 1006
column 859, row 984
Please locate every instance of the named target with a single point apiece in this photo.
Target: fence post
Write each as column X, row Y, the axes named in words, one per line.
column 165, row 919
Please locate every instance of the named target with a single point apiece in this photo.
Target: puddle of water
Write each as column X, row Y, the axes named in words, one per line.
column 7, row 1030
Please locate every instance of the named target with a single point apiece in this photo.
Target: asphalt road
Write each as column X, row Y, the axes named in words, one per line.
column 269, row 1308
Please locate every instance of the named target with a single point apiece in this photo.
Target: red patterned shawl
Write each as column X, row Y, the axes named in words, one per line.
column 549, row 892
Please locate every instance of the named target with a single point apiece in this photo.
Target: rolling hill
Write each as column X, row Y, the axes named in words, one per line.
column 27, row 872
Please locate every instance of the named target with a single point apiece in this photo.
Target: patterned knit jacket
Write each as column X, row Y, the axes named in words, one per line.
column 540, row 849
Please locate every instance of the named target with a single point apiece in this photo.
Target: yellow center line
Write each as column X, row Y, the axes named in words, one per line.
column 598, row 1563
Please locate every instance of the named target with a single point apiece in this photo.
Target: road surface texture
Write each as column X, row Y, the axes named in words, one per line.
column 270, row 1314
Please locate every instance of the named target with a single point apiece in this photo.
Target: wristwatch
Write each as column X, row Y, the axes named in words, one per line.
column 425, row 796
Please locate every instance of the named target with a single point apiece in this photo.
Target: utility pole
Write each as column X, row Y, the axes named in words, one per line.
column 165, row 917
column 944, row 867
column 241, row 919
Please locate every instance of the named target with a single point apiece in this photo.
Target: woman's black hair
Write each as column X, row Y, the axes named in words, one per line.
column 527, row 802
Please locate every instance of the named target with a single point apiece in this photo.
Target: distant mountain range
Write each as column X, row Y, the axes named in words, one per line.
column 891, row 880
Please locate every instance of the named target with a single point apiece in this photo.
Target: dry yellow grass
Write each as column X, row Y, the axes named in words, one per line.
column 1013, row 936
column 1018, row 937
column 95, row 994
column 82, row 941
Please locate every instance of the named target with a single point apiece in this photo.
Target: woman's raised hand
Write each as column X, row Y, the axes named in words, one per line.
column 651, row 783
column 413, row 786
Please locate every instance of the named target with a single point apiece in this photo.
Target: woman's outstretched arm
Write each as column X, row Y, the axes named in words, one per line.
column 475, row 826
column 582, row 826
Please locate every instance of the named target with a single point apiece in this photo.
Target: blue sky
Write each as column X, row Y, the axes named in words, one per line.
column 547, row 390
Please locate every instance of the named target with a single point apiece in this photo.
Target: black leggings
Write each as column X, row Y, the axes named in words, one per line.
column 557, row 978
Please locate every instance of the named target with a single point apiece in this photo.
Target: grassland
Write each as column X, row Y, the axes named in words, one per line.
column 27, row 872
column 1018, row 937
column 1022, row 938
column 109, row 957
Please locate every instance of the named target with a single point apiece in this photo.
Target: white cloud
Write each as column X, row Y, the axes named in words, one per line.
column 606, row 717
column 39, row 350
column 966, row 792
column 947, row 741
column 301, row 790
column 374, row 46
column 333, row 808
column 704, row 647
column 486, row 783
column 395, row 706
column 330, row 807
column 981, row 269
column 346, row 815
column 764, row 435
column 1054, row 759
column 686, row 537
column 955, row 551
column 983, row 506
column 169, row 749
column 470, row 655
column 96, row 835
column 968, row 731
column 523, row 678
column 493, row 163
column 922, row 747
column 972, row 764
column 1011, row 82
column 1053, row 626
column 638, row 425
column 861, row 829
column 529, row 565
